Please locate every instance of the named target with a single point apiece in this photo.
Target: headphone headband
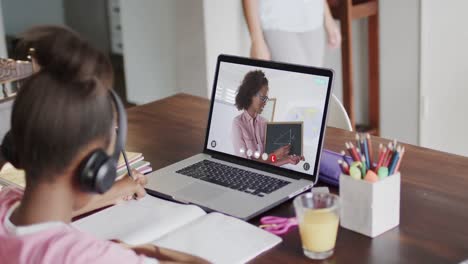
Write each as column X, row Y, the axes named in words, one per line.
column 121, row 126
column 98, row 172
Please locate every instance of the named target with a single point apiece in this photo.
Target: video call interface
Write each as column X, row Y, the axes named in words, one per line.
column 268, row 116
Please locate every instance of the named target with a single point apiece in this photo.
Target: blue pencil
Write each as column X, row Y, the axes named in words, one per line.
column 394, row 161
column 366, row 152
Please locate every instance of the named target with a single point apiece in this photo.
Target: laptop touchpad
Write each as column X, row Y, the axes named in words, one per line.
column 198, row 192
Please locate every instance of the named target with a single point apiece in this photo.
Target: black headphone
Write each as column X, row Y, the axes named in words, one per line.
column 98, row 171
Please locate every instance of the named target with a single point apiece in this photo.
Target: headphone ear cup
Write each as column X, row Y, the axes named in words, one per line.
column 9, row 151
column 97, row 172
column 105, row 176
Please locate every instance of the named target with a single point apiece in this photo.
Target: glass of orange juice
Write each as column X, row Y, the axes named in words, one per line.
column 318, row 217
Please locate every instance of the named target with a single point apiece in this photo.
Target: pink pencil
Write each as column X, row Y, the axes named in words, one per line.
column 344, row 167
column 381, row 159
column 388, row 156
column 356, row 152
column 352, row 151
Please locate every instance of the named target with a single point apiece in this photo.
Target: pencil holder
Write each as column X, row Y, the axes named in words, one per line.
column 370, row 208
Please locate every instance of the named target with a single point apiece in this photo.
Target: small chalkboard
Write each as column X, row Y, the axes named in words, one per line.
column 279, row 134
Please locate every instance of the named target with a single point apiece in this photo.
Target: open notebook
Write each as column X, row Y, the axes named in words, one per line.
column 215, row 237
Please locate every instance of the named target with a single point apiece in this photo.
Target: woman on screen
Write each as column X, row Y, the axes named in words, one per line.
column 249, row 128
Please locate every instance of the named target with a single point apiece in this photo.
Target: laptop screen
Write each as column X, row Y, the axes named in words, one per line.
column 269, row 113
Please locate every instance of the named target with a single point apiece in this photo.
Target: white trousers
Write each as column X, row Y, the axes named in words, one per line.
column 307, row 48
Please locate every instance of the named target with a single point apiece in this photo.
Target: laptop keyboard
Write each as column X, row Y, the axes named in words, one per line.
column 234, row 178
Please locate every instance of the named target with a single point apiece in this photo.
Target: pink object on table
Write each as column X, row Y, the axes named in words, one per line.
column 277, row 225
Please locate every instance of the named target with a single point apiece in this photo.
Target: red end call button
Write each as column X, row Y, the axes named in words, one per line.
column 273, row 158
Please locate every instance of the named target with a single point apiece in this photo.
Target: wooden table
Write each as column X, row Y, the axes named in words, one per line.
column 434, row 190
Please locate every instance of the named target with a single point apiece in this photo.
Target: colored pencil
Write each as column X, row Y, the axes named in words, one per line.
column 358, row 141
column 380, row 153
column 344, row 167
column 350, row 151
column 371, row 151
column 394, row 161
column 363, row 167
column 397, row 168
column 354, row 151
column 388, row 156
column 381, row 159
column 343, row 155
column 366, row 153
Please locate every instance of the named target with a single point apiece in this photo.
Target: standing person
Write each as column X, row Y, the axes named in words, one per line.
column 291, row 31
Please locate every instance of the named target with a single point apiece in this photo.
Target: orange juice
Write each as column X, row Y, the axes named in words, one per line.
column 318, row 230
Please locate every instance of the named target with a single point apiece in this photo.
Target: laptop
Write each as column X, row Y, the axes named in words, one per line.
column 264, row 138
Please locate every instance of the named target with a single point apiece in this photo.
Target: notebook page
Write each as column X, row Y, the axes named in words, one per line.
column 137, row 222
column 220, row 239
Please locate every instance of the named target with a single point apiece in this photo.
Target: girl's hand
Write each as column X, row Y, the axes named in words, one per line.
column 162, row 254
column 123, row 189
column 137, row 186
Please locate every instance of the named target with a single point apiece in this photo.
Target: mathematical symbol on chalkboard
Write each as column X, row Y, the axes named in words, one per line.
column 285, row 138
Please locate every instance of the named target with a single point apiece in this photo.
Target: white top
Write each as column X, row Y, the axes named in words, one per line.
column 36, row 228
column 291, row 15
column 26, row 230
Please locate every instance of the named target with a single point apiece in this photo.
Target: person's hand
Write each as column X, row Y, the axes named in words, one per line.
column 282, row 152
column 140, row 178
column 122, row 190
column 293, row 159
column 333, row 33
column 164, row 255
column 137, row 189
column 259, row 50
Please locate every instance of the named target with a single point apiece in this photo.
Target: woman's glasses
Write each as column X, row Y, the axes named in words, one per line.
column 263, row 98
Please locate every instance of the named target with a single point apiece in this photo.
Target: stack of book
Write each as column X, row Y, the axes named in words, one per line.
column 10, row 176
column 136, row 162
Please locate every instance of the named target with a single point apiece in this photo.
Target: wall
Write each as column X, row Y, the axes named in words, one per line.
column 444, row 75
column 399, row 69
column 89, row 18
column 149, row 48
column 225, row 32
column 164, row 50
column 190, row 48
column 21, row 14
column 3, row 49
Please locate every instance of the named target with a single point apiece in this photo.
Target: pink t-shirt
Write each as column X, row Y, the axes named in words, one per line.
column 53, row 242
column 248, row 133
